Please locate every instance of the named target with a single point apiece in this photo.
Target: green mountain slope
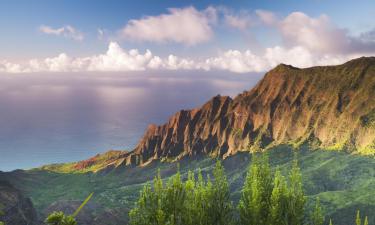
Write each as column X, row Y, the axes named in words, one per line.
column 343, row 182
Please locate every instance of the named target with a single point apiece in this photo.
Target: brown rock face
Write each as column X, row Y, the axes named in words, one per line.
column 331, row 107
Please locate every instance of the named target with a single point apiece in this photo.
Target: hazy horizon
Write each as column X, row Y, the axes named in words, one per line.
column 55, row 118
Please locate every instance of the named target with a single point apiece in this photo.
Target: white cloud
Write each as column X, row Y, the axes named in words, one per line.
column 65, row 31
column 319, row 35
column 188, row 26
column 316, row 34
column 236, row 61
column 118, row 59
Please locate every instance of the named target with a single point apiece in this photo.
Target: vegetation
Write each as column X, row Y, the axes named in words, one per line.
column 185, row 203
column 265, row 199
column 59, row 218
column 331, row 176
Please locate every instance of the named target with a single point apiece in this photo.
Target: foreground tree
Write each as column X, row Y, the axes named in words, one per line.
column 297, row 199
column 358, row 220
column 271, row 200
column 317, row 217
column 279, row 200
column 220, row 210
column 193, row 202
column 254, row 206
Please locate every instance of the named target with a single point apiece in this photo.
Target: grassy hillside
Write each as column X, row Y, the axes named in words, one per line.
column 343, row 182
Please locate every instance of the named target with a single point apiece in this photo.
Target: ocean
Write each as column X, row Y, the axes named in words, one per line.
column 65, row 117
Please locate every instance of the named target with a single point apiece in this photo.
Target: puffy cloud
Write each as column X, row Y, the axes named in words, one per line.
column 236, row 61
column 118, row 59
column 187, row 25
column 65, row 31
column 318, row 34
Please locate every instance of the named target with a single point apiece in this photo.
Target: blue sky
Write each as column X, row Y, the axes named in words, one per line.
column 72, row 28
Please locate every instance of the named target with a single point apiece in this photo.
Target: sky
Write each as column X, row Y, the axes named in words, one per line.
column 235, row 36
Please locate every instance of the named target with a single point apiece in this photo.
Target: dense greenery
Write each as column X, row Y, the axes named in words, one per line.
column 195, row 201
column 267, row 199
column 343, row 183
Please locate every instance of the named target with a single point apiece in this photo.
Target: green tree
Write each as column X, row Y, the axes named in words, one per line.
column 279, row 197
column 193, row 202
column 296, row 199
column 254, row 206
column 358, row 218
column 149, row 207
column 59, row 218
column 190, row 208
column 175, row 197
column 366, row 221
column 221, row 207
column 317, row 217
column 202, row 194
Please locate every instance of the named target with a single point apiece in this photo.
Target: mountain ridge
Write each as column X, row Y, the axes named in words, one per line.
column 328, row 107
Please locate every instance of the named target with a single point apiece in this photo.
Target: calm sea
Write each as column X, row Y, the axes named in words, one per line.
column 64, row 117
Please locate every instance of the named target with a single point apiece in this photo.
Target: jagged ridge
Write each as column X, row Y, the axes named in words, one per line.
column 330, row 107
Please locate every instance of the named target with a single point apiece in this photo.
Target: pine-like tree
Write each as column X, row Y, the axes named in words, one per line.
column 366, row 221
column 255, row 203
column 221, row 207
column 358, row 218
column 296, row 199
column 175, row 196
column 317, row 217
column 279, row 197
column 149, row 207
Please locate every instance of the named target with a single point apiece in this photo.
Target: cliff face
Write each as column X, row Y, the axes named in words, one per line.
column 330, row 107
column 15, row 209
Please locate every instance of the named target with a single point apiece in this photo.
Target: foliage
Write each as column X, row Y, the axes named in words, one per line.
column 59, row 218
column 331, row 176
column 317, row 217
column 271, row 199
column 190, row 202
column 358, row 219
column 254, row 206
column 264, row 200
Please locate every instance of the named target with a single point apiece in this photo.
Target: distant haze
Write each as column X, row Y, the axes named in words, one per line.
column 52, row 118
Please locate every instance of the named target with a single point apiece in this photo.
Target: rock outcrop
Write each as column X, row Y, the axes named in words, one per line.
column 328, row 107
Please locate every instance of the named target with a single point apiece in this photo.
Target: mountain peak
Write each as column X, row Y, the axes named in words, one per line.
column 319, row 105
column 326, row 107
column 283, row 66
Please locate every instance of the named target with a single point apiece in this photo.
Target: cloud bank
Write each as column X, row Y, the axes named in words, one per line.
column 118, row 59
